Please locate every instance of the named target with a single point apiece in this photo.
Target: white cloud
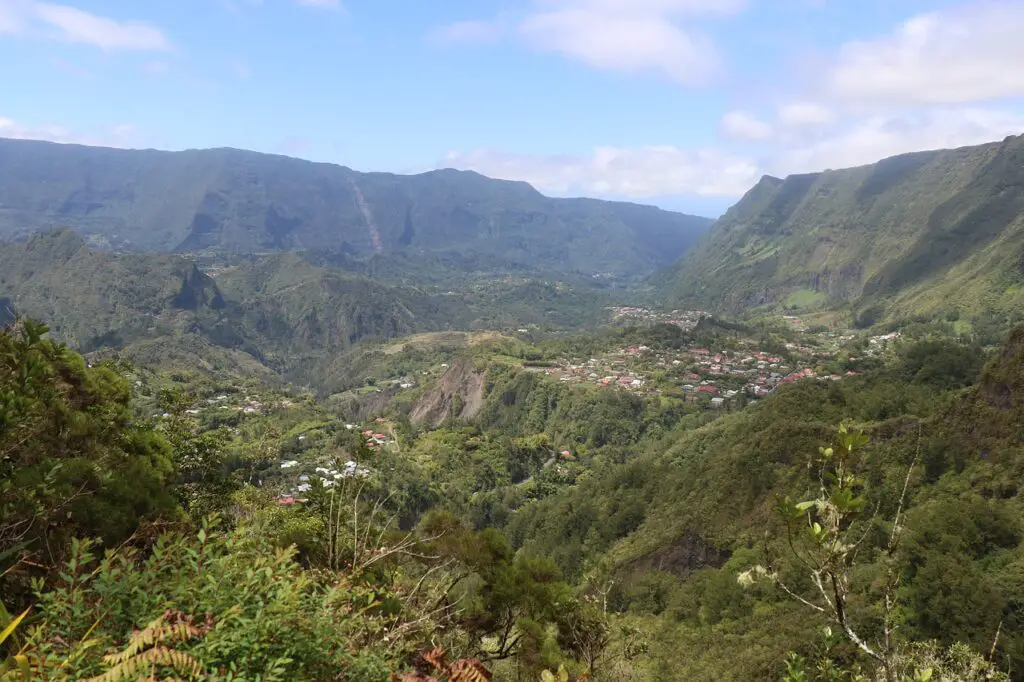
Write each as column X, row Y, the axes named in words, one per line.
column 629, row 42
column 877, row 137
column 661, row 171
column 805, row 114
column 468, row 32
column 122, row 135
column 321, row 4
column 964, row 54
column 742, row 125
column 610, row 171
column 632, row 36
column 72, row 25
column 940, row 80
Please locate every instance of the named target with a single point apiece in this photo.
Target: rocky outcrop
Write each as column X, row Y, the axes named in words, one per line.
column 685, row 555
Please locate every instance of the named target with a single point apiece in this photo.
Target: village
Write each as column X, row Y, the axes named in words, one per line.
column 716, row 377
column 684, row 319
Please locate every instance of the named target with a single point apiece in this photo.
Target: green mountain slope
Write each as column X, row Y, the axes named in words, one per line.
column 926, row 233
column 241, row 201
column 277, row 313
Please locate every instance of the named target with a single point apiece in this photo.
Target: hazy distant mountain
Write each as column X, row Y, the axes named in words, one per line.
column 246, row 202
column 917, row 234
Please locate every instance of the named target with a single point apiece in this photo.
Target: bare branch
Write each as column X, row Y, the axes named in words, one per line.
column 995, row 641
column 785, row 588
column 894, row 534
column 426, row 574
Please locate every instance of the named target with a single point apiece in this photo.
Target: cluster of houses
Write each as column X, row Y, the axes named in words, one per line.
column 884, row 339
column 235, row 403
column 328, row 478
column 247, row 405
column 685, row 319
column 374, row 439
column 762, row 373
column 601, row 371
column 714, row 377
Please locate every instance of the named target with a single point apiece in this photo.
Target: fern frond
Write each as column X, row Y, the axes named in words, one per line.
column 468, row 670
column 146, row 650
column 436, row 658
column 156, row 632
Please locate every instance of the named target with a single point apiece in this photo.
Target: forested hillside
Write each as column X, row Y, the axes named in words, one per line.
column 674, row 527
column 919, row 235
column 267, row 419
column 240, row 201
column 530, row 524
column 276, row 314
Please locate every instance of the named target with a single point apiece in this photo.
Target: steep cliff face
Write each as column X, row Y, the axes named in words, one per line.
column 919, row 233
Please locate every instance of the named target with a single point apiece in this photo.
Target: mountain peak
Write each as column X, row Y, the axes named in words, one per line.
column 61, row 243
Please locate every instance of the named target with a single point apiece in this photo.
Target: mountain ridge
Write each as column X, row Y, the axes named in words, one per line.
column 926, row 233
column 241, row 201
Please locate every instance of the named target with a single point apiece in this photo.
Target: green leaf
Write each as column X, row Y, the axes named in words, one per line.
column 13, row 625
column 24, row 667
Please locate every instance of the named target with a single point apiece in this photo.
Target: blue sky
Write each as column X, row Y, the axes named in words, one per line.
column 683, row 103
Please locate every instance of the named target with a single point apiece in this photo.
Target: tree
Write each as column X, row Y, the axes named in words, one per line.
column 73, row 460
column 204, row 481
column 825, row 535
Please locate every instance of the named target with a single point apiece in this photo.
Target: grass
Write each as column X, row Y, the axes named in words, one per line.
column 433, row 340
column 805, row 298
